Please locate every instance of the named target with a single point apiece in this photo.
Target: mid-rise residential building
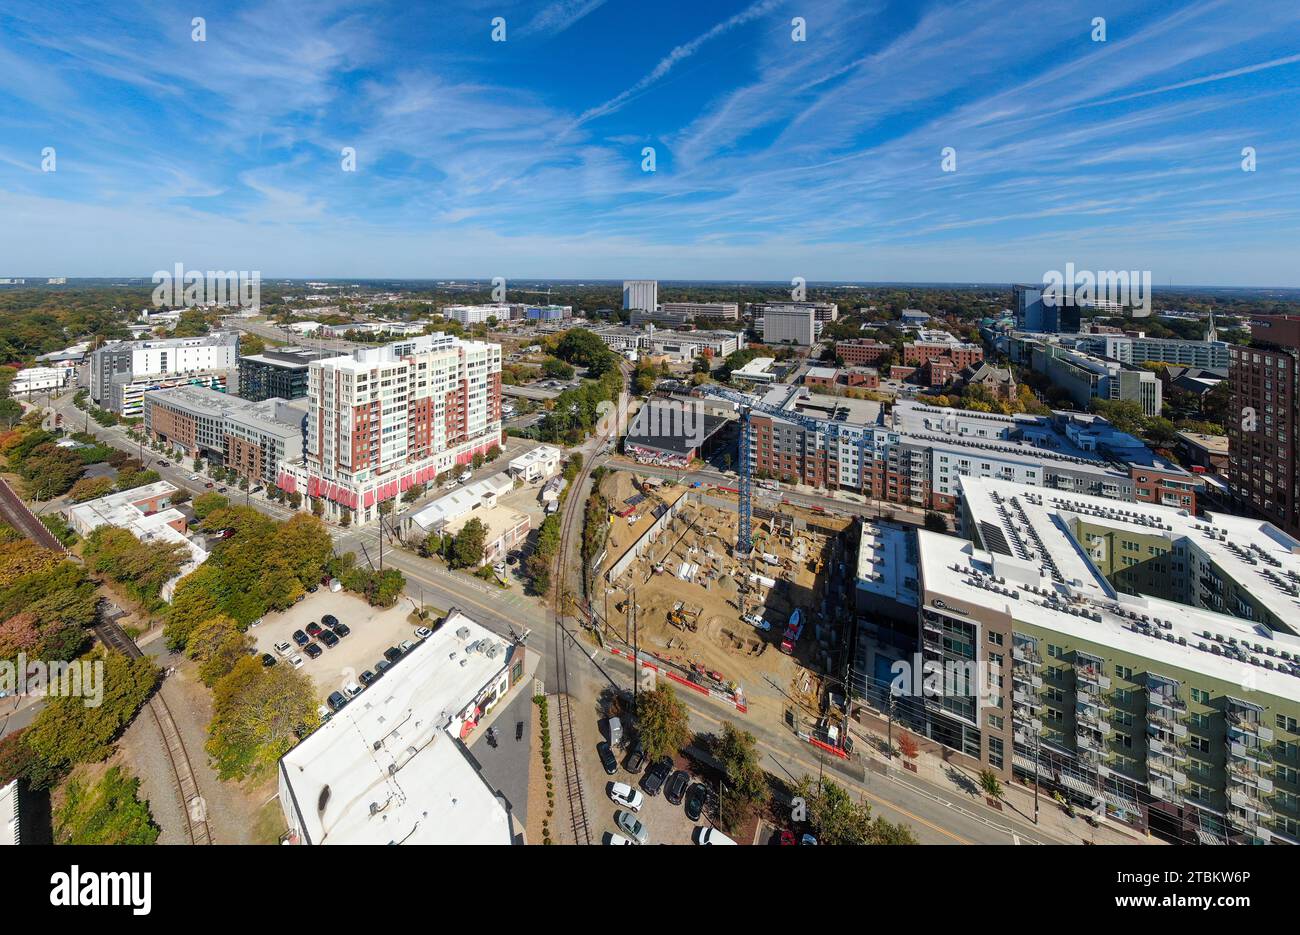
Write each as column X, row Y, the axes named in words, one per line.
column 641, row 294
column 477, row 314
column 1130, row 349
column 390, row 767
column 680, row 313
column 1263, row 419
column 384, row 419
column 917, row 455
column 277, row 372
column 121, row 373
column 861, row 352
column 1086, row 377
column 252, row 438
column 932, row 345
column 1139, row 659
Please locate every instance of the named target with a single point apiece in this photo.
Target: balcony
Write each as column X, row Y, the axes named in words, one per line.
column 1246, row 718
column 1167, row 772
column 1089, row 672
column 1027, row 655
column 1087, row 740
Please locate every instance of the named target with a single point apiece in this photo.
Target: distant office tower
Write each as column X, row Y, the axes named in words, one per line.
column 1262, row 421
column 641, row 293
column 1050, row 315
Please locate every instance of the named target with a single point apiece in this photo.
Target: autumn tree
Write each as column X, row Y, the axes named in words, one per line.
column 663, row 724
column 258, row 715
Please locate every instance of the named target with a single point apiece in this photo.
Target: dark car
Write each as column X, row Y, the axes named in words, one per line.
column 313, row 650
column 313, row 629
column 221, row 490
column 635, row 760
column 268, row 660
column 696, row 797
column 519, row 730
column 311, row 588
column 328, row 638
column 330, row 621
column 607, row 757
column 392, row 654
column 656, row 775
column 301, row 638
column 366, row 677
column 382, row 666
column 336, row 700
column 676, row 786
column 340, row 629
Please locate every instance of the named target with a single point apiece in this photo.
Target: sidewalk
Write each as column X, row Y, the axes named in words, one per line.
column 1017, row 805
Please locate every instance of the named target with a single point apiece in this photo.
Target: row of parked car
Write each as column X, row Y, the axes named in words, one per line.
column 327, row 633
column 392, row 654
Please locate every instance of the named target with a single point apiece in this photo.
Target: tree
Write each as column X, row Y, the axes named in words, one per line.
column 207, row 503
column 744, row 785
column 218, row 644
column 836, row 819
column 90, row 488
column 108, row 812
column 935, row 522
column 139, row 568
column 467, row 549
column 663, row 723
column 990, row 783
column 258, row 715
column 67, row 731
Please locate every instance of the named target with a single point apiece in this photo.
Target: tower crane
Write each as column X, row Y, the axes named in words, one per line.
column 746, row 405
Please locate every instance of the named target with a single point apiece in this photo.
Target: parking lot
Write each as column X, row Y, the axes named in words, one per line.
column 664, row 822
column 372, row 632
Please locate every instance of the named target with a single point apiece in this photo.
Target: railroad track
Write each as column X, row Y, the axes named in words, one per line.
column 16, row 513
column 187, row 783
column 569, row 755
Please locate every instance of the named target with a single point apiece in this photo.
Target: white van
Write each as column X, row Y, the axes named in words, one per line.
column 705, row 835
column 464, row 476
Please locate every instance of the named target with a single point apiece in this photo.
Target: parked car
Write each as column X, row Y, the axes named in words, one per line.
column 697, row 796
column 464, row 477
column 382, row 666
column 635, row 759
column 283, row 649
column 268, row 660
column 313, row 650
column 330, row 620
column 676, row 786
column 209, row 485
column 352, row 689
column 705, row 835
column 392, row 654
column 423, row 633
column 612, row 838
column 341, row 629
column 301, row 638
column 314, row 629
column 607, row 758
column 625, row 795
column 366, row 677
column 656, row 775
column 328, row 638
column 221, row 490
column 405, row 646
column 336, row 700
column 519, row 730
column 614, row 731
column 311, row 589
column 297, row 662
column 630, row 825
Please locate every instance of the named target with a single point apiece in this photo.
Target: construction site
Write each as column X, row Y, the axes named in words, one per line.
column 762, row 632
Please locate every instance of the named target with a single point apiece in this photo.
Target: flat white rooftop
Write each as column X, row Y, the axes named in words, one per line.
column 387, row 768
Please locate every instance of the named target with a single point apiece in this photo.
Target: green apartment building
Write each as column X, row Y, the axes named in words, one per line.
column 1141, row 660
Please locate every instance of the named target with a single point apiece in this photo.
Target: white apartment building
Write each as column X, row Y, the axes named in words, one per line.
column 384, row 419
column 476, row 314
column 121, row 373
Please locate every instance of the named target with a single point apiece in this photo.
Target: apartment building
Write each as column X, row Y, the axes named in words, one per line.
column 251, row 437
column 1139, row 659
column 1264, row 456
column 933, row 345
column 680, row 313
column 1087, row 377
column 477, row 314
column 641, row 294
column 918, row 455
column 789, row 323
column 121, row 373
column 1131, row 349
column 278, row 372
column 386, row 418
column 861, row 352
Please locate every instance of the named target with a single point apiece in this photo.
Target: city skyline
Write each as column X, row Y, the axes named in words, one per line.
column 819, row 158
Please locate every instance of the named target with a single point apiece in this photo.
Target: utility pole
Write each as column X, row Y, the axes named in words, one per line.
column 1037, row 741
column 636, row 652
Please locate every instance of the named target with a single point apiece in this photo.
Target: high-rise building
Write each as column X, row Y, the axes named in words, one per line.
column 790, row 323
column 1263, row 418
column 641, row 294
column 387, row 418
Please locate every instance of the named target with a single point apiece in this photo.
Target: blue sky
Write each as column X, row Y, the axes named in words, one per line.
column 775, row 158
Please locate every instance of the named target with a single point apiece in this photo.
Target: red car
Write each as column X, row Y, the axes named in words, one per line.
column 787, row 838
column 314, row 628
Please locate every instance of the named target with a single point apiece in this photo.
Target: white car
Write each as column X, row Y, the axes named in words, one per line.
column 352, row 689
column 423, row 633
column 625, row 795
column 612, row 838
column 705, row 835
column 284, row 649
column 405, row 646
column 297, row 662
column 194, row 477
